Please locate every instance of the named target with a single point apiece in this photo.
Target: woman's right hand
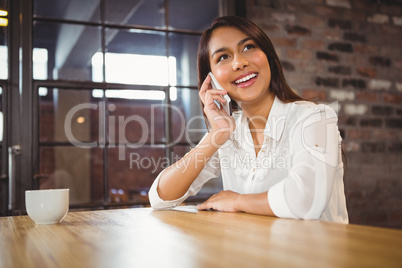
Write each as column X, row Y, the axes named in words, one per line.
column 222, row 124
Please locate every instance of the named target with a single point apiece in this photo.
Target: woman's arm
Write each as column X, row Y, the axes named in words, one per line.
column 175, row 181
column 316, row 157
column 233, row 202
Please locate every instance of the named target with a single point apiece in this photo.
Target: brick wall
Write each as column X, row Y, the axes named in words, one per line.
column 349, row 52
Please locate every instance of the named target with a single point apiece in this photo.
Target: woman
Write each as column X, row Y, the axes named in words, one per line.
column 282, row 156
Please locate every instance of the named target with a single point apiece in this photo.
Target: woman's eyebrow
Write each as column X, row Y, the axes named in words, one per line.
column 241, row 42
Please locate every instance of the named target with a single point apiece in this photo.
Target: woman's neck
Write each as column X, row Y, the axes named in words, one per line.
column 257, row 113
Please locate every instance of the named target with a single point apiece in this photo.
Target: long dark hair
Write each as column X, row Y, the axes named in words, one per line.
column 278, row 84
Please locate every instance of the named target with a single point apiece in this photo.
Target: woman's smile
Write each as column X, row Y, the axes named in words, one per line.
column 246, row 79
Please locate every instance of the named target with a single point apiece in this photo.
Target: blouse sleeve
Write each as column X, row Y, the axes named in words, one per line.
column 210, row 171
column 314, row 142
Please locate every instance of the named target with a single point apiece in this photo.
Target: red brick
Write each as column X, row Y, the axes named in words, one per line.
column 310, row 67
column 269, row 28
column 283, row 17
column 358, row 15
column 373, row 147
column 298, row 30
column 392, row 98
column 351, row 146
column 332, row 34
column 365, row 49
column 311, row 20
column 283, row 42
column 347, row 120
column 358, row 134
column 313, row 44
column 365, row 5
column 367, row 96
column 390, row 31
column 299, row 54
column 366, row 72
column 397, row 64
column 326, row 11
column 314, row 94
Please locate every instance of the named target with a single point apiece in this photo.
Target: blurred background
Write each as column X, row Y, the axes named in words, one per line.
column 121, row 77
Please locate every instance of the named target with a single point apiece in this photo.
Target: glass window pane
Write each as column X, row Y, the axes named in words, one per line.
column 183, row 48
column 135, row 12
column 79, row 169
column 192, row 15
column 1, row 98
column 132, row 171
column 67, row 115
column 3, row 52
column 65, row 51
column 188, row 125
column 1, row 134
column 79, row 10
column 135, row 118
column 136, row 58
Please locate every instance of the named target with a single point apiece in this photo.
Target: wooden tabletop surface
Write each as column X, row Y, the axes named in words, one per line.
column 146, row 238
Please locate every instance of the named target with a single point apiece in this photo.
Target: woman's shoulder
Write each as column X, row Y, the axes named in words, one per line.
column 305, row 106
column 301, row 110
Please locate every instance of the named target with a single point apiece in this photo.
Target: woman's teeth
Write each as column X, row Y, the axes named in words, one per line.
column 246, row 78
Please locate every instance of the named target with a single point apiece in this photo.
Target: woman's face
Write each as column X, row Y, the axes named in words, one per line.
column 239, row 65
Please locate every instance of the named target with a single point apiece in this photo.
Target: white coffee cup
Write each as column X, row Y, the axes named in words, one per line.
column 47, row 206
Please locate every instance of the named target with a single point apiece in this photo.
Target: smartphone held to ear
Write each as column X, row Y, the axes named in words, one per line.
column 226, row 106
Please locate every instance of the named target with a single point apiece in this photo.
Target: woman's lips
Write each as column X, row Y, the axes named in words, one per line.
column 246, row 80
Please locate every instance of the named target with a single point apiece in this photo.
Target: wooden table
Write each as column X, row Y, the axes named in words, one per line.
column 145, row 238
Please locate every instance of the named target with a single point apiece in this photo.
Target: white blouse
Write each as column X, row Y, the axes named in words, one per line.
column 299, row 164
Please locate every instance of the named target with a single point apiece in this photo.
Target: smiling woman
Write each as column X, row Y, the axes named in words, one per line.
column 281, row 157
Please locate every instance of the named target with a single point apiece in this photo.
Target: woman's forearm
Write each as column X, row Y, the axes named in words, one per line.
column 176, row 179
column 254, row 204
column 230, row 201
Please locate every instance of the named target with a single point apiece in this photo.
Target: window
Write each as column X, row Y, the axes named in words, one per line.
column 117, row 93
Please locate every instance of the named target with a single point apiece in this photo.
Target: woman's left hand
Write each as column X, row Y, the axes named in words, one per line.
column 222, row 201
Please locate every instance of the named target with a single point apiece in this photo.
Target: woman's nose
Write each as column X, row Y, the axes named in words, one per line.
column 240, row 62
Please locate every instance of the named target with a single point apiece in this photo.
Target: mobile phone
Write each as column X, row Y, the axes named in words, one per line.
column 226, row 106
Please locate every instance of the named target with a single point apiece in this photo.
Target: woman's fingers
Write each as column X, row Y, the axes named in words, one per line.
column 204, row 87
column 207, row 93
column 209, row 98
column 222, row 201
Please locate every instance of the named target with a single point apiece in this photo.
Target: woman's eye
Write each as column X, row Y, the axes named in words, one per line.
column 248, row 47
column 223, row 57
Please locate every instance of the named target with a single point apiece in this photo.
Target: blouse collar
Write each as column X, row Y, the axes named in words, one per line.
column 275, row 123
